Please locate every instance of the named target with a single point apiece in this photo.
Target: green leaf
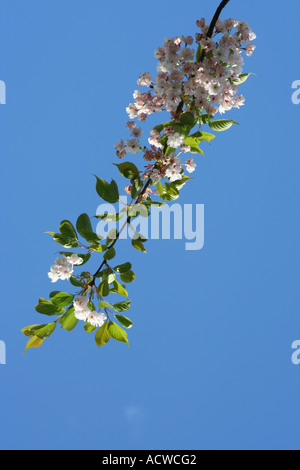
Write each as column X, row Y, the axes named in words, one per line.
column 171, row 192
column 123, row 268
column 140, row 236
column 102, row 336
column 99, row 248
column 199, row 53
column 127, row 277
column 89, row 328
column 181, row 183
column 129, row 170
column 203, row 137
column 242, row 79
column 221, row 125
column 110, row 254
column 121, row 307
column 34, row 342
column 112, row 236
column 68, row 231
column 160, row 188
column 120, row 289
column 188, row 119
column 205, row 118
column 138, row 245
column 111, row 217
column 41, row 331
column 84, row 225
column 126, row 322
column 117, row 333
column 107, row 191
column 137, row 186
column 194, row 142
column 61, row 299
column 27, row 331
column 75, row 282
column 45, row 307
column 69, row 321
column 104, row 288
column 150, row 203
column 67, row 236
column 103, row 305
column 85, row 229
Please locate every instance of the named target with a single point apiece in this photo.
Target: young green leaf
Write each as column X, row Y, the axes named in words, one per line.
column 110, row 254
column 34, row 342
column 123, row 268
column 61, row 299
column 69, row 234
column 138, row 245
column 188, row 119
column 102, row 336
column 126, row 322
column 89, row 328
column 41, row 331
column 85, row 229
column 137, row 186
column 117, row 333
column 84, row 225
column 127, row 277
column 104, row 288
column 128, row 170
column 104, row 304
column 75, row 282
column 222, row 125
column 69, row 321
column 160, row 188
column 109, row 192
column 121, row 307
column 242, row 79
column 45, row 307
column 120, row 289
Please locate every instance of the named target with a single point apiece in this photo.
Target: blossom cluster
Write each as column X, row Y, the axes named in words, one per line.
column 64, row 267
column 84, row 313
column 186, row 81
column 208, row 84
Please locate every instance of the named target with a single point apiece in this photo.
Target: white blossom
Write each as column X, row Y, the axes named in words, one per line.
column 96, row 319
column 81, row 308
column 175, row 140
column 61, row 270
column 190, row 165
column 132, row 146
column 75, row 260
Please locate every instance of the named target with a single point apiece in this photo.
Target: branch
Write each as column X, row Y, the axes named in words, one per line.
column 143, row 191
column 128, row 220
column 214, row 22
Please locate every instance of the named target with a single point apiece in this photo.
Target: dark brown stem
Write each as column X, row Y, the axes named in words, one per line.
column 213, row 23
column 128, row 220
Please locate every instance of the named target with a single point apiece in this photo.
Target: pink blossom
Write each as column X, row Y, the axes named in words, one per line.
column 145, row 79
column 190, row 165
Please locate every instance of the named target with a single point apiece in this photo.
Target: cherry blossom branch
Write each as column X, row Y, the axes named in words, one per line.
column 193, row 90
column 179, row 109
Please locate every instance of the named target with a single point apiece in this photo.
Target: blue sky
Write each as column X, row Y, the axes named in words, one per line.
column 210, row 360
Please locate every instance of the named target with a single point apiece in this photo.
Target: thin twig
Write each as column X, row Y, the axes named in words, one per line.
column 213, row 23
